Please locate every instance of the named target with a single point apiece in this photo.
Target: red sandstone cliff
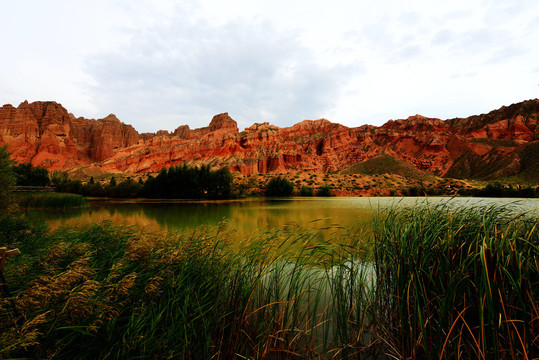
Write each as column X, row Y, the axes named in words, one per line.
column 46, row 135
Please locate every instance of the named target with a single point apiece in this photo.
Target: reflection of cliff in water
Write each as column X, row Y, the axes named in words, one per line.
column 187, row 216
column 331, row 217
column 244, row 217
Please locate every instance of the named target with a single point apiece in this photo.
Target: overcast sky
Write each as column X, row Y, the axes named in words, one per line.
column 160, row 64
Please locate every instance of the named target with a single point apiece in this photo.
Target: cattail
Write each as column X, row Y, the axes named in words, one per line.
column 477, row 266
column 488, row 259
column 514, row 257
column 495, row 264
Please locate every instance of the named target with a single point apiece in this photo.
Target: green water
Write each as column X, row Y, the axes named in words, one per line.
column 246, row 217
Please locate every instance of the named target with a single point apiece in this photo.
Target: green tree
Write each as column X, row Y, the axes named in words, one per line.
column 29, row 175
column 306, row 191
column 7, row 179
column 279, row 186
column 59, row 179
column 127, row 189
column 184, row 182
column 324, row 190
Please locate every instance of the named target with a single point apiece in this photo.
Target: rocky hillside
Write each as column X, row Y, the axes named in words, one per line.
column 45, row 134
column 498, row 144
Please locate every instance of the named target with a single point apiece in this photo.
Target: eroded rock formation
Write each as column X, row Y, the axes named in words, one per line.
column 45, row 134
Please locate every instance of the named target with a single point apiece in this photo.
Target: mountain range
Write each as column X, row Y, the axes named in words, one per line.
column 503, row 143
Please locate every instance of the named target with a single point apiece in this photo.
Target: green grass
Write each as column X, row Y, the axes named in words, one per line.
column 495, row 142
column 472, row 166
column 387, row 164
column 449, row 283
column 529, row 162
column 518, row 168
column 50, row 200
column 463, row 283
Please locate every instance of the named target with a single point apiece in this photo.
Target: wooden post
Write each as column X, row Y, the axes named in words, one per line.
column 3, row 251
column 4, row 254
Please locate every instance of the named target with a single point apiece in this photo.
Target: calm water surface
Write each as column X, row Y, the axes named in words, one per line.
column 245, row 217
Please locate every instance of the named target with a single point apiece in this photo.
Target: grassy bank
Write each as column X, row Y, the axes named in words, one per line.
column 443, row 283
column 49, row 200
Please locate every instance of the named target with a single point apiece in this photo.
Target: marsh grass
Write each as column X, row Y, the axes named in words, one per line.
column 437, row 282
column 461, row 283
column 50, row 200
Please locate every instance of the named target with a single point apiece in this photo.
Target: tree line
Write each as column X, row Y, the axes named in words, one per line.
column 177, row 182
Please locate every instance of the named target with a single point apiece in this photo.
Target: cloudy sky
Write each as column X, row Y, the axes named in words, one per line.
column 160, row 64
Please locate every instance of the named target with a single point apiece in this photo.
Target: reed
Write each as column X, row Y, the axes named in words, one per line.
column 50, row 200
column 432, row 282
column 463, row 283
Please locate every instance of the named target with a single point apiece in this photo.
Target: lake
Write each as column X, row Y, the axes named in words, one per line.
column 248, row 216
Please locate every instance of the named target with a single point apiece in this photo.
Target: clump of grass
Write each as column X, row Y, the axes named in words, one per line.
column 387, row 164
column 458, row 283
column 50, row 200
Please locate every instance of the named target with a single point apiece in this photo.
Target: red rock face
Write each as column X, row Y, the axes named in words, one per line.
column 47, row 135
column 44, row 134
column 39, row 133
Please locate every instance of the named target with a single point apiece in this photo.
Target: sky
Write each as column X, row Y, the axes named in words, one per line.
column 160, row 64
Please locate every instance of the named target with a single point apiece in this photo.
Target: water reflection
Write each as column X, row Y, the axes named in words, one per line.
column 325, row 215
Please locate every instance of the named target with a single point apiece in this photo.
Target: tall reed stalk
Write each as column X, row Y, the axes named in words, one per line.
column 463, row 283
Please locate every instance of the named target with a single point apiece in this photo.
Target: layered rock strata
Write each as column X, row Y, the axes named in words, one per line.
column 45, row 134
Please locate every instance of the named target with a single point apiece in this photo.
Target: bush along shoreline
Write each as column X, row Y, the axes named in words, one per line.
column 50, row 200
column 429, row 282
column 499, row 190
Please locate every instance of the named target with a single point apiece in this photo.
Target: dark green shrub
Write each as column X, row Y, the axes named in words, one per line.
column 306, row 191
column 279, row 186
column 29, row 175
column 324, row 190
column 95, row 189
column 126, row 189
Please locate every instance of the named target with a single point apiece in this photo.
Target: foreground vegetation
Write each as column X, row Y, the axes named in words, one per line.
column 425, row 282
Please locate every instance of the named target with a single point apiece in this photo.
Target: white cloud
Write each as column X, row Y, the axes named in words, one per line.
column 193, row 69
